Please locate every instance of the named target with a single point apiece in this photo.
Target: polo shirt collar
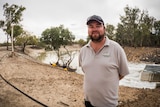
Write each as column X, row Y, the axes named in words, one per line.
column 107, row 43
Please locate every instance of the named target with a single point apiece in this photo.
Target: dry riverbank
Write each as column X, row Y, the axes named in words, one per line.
column 56, row 87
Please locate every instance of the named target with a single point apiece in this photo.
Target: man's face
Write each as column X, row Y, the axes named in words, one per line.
column 96, row 31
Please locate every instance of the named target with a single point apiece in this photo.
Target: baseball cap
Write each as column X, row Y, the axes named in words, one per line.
column 95, row 18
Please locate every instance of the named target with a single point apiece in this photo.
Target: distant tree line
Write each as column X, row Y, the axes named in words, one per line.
column 136, row 29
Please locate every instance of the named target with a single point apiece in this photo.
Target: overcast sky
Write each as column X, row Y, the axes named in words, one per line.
column 42, row 14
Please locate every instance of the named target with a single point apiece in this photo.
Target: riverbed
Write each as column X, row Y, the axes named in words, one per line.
column 131, row 80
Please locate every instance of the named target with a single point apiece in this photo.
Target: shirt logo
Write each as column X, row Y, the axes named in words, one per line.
column 106, row 54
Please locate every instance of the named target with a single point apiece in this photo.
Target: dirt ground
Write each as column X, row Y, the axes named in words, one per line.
column 54, row 87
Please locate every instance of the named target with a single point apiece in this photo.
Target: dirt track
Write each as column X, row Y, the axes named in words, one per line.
column 56, row 87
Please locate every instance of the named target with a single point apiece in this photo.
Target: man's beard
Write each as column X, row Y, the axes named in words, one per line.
column 98, row 39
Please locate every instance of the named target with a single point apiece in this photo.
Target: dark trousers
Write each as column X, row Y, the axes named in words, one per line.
column 88, row 104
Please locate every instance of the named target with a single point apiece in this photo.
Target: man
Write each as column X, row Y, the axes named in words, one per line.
column 104, row 63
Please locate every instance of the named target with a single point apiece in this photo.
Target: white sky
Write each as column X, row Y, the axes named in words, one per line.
column 42, row 14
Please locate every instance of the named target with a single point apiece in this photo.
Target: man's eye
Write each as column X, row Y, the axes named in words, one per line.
column 98, row 26
column 91, row 27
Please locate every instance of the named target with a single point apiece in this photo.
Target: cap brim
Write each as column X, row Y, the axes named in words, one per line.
column 89, row 21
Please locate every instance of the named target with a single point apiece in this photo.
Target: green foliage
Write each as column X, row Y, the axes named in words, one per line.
column 26, row 39
column 55, row 37
column 17, row 30
column 136, row 28
column 5, row 44
column 13, row 15
column 40, row 44
column 81, row 42
column 155, row 37
column 110, row 29
column 157, row 28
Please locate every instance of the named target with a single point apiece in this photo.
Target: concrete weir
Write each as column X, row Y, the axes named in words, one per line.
column 151, row 73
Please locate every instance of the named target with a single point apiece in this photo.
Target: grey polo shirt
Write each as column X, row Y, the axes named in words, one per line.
column 101, row 73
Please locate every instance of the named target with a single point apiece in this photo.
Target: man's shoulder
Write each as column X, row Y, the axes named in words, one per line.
column 114, row 43
column 85, row 46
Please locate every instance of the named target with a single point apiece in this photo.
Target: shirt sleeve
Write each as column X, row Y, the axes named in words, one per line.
column 123, row 63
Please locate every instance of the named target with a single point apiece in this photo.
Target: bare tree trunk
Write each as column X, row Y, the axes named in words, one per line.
column 7, row 41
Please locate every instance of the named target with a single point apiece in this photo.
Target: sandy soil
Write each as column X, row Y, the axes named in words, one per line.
column 55, row 87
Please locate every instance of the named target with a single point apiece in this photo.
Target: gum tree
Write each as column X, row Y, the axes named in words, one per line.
column 55, row 37
column 13, row 17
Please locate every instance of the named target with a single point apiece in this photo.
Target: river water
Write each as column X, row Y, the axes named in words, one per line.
column 131, row 80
